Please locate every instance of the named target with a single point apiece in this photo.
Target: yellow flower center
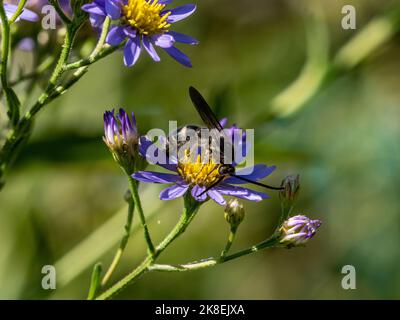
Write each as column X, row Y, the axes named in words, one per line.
column 198, row 172
column 145, row 16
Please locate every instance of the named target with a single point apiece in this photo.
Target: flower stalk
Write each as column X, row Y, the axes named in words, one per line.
column 12, row 101
column 231, row 238
column 134, row 185
column 191, row 208
column 234, row 215
column 124, row 240
column 21, row 131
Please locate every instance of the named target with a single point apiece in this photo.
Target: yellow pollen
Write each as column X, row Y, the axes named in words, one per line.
column 145, row 16
column 198, row 173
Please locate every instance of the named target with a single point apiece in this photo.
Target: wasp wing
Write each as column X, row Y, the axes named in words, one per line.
column 218, row 136
column 204, row 110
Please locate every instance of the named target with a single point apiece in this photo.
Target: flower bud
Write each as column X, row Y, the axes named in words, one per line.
column 122, row 138
column 297, row 230
column 291, row 187
column 234, row 213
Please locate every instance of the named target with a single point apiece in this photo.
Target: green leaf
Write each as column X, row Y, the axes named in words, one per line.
column 95, row 281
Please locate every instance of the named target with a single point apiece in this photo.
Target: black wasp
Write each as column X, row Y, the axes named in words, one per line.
column 216, row 140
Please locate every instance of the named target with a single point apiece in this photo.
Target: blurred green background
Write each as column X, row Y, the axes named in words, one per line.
column 327, row 113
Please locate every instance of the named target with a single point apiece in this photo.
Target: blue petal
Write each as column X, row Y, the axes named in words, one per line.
column 179, row 56
column 181, row 12
column 94, row 8
column 240, row 192
column 164, row 40
column 223, row 122
column 97, row 20
column 115, row 36
column 150, row 49
column 217, row 197
column 113, row 9
column 260, row 171
column 173, row 192
column 156, row 177
column 183, row 38
column 198, row 193
column 25, row 15
column 132, row 51
column 130, row 32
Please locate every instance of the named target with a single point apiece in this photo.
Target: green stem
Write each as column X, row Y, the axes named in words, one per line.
column 92, row 59
column 17, row 12
column 94, row 282
column 185, row 219
column 231, row 238
column 102, row 39
column 11, row 98
column 211, row 262
column 142, row 268
column 271, row 242
column 20, row 134
column 187, row 216
column 58, row 71
column 133, row 184
column 124, row 241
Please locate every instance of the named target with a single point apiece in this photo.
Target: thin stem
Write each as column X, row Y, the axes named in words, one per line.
column 211, row 262
column 231, row 238
column 34, row 74
column 11, row 99
column 102, row 39
column 142, row 268
column 92, row 59
column 124, row 241
column 180, row 227
column 271, row 242
column 20, row 8
column 61, row 89
column 18, row 136
column 133, row 184
column 5, row 44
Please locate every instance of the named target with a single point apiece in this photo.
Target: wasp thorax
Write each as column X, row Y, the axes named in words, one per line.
column 197, row 171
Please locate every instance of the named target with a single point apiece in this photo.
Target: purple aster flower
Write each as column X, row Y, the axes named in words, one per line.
column 298, row 230
column 25, row 14
column 197, row 177
column 143, row 22
column 121, row 137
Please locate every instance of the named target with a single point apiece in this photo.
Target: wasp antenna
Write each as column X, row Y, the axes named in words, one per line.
column 212, row 186
column 257, row 183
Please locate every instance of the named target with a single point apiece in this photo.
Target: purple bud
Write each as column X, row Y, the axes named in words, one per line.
column 121, row 137
column 298, row 230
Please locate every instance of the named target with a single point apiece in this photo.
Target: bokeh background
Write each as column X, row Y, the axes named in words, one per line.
column 324, row 103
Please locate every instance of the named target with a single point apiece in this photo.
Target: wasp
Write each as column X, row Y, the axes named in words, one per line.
column 215, row 142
